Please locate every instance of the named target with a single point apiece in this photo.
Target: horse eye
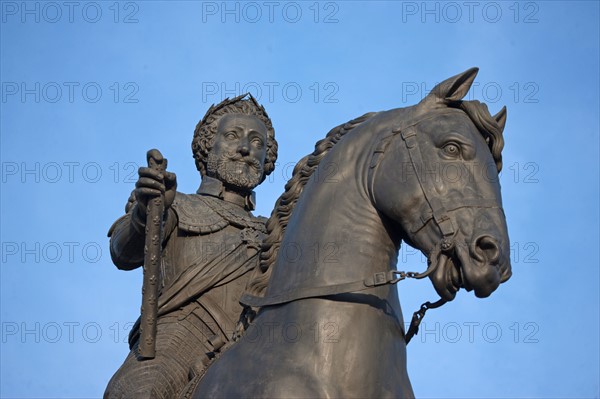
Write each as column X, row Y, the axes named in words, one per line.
column 451, row 149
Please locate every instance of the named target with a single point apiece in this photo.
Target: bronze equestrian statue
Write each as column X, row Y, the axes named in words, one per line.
column 210, row 243
column 330, row 322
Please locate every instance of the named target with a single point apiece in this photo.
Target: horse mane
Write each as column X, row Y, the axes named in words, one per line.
column 277, row 223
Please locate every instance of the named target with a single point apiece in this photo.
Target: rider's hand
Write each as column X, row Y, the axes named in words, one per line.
column 151, row 184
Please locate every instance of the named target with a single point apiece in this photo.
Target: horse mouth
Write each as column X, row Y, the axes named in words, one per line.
column 448, row 276
column 454, row 274
column 456, row 270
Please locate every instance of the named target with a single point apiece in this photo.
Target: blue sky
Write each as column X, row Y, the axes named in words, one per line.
column 89, row 87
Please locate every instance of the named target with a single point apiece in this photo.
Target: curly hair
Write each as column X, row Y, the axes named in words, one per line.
column 206, row 129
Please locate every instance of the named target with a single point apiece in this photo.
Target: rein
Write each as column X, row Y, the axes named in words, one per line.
column 377, row 279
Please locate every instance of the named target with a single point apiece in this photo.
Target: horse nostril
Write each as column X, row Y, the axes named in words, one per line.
column 489, row 247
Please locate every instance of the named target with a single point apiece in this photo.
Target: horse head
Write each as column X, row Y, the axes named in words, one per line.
column 435, row 173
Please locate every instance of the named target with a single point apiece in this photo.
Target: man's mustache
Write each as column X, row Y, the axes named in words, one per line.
column 237, row 157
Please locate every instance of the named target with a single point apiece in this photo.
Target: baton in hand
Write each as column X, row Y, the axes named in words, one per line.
column 152, row 259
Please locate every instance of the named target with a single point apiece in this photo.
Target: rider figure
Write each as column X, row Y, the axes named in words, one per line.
column 211, row 242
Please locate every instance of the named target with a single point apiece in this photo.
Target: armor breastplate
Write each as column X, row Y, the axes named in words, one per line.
column 210, row 233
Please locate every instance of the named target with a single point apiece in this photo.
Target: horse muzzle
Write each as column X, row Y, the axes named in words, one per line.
column 480, row 265
column 485, row 264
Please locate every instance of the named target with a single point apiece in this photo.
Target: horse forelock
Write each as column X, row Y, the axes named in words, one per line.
column 284, row 206
column 478, row 113
column 488, row 127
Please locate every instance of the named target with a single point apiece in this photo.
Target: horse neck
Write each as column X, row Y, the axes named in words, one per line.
column 335, row 235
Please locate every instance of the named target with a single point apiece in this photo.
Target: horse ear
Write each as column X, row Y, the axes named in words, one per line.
column 500, row 118
column 454, row 88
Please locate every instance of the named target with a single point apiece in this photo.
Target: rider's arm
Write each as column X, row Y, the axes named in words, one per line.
column 127, row 238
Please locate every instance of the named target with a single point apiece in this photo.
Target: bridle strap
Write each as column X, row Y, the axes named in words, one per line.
column 422, row 217
column 438, row 212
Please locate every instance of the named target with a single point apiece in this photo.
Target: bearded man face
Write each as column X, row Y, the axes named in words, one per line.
column 238, row 154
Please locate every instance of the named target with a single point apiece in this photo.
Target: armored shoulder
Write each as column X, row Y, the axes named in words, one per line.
column 200, row 214
column 195, row 216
